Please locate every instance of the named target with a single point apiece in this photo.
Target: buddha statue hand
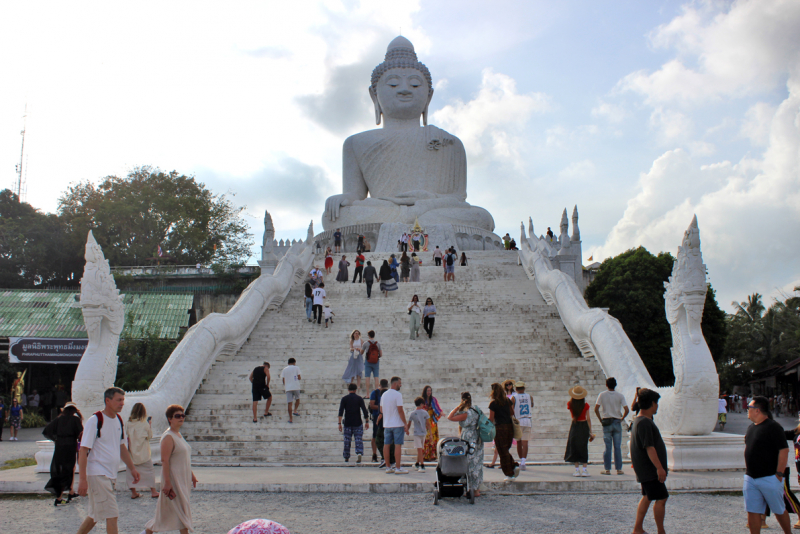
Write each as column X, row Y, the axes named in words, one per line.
column 333, row 203
column 409, row 198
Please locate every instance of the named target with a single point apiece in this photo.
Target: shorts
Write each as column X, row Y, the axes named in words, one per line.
column 526, row 433
column 448, row 269
column 337, row 242
column 261, row 393
column 394, row 436
column 375, row 427
column 763, row 491
column 14, row 422
column 102, row 499
column 655, row 490
column 293, row 395
column 722, row 418
column 371, row 369
column 419, row 442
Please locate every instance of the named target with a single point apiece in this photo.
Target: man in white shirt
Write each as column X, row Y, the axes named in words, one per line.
column 394, row 423
column 319, row 299
column 523, row 408
column 611, row 408
column 102, row 446
column 722, row 413
column 290, row 376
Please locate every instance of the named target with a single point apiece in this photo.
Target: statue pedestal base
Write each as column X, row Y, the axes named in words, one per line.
column 383, row 237
column 713, row 452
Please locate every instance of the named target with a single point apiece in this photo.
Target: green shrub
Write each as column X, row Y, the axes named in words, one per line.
column 33, row 420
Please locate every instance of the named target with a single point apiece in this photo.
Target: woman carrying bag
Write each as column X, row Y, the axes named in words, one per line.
column 414, row 317
column 467, row 418
column 355, row 365
column 139, row 434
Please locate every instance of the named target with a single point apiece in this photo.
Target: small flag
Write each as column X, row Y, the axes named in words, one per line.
column 591, row 257
column 160, row 252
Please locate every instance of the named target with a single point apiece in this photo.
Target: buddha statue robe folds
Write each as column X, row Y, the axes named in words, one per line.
column 403, row 171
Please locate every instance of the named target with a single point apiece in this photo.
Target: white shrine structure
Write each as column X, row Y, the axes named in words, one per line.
column 509, row 314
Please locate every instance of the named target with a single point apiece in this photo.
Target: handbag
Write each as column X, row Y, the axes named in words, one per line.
column 606, row 421
column 517, row 428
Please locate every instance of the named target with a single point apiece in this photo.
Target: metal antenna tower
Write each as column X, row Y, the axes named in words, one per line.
column 20, row 184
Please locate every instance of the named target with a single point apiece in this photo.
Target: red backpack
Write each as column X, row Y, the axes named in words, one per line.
column 373, row 352
column 100, row 424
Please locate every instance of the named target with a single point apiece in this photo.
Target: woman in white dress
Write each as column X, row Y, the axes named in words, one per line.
column 139, row 434
column 177, row 480
column 355, row 365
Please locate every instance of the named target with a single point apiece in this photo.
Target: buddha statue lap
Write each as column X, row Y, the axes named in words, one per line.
column 403, row 172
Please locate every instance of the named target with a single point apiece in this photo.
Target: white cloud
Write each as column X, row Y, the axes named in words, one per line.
column 670, row 126
column 560, row 137
column 490, row 125
column 612, row 112
column 745, row 47
column 749, row 213
column 756, row 123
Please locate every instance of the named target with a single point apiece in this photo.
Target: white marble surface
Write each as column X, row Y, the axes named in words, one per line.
column 403, row 171
column 687, row 409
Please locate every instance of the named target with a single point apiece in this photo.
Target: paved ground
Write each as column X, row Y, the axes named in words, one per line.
column 321, row 513
column 24, row 448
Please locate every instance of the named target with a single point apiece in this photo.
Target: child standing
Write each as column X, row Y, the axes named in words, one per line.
column 420, row 418
column 328, row 314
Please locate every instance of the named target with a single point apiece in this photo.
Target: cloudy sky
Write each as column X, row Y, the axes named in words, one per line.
column 641, row 113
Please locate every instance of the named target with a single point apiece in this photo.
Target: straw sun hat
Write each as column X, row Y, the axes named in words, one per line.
column 578, row 392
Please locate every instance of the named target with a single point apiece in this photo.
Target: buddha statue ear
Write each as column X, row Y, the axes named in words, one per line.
column 374, row 96
column 425, row 111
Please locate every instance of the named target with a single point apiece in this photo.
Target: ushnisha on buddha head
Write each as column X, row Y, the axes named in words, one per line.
column 401, row 86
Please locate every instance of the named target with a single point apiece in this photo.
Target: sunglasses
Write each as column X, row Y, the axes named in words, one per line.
column 179, row 416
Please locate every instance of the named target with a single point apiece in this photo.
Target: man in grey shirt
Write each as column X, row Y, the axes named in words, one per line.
column 370, row 274
column 609, row 409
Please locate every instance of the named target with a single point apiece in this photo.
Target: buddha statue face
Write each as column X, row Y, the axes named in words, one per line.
column 402, row 93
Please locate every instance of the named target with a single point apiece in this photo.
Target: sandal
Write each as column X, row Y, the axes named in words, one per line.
column 136, row 496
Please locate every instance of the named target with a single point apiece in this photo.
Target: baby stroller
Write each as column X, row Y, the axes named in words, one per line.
column 451, row 470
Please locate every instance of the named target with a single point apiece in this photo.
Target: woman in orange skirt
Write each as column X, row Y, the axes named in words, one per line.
column 435, row 412
column 328, row 260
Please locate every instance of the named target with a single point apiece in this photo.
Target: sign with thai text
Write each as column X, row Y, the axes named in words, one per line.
column 45, row 350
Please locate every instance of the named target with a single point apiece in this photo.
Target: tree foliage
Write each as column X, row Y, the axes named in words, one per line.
column 132, row 216
column 760, row 337
column 631, row 286
column 34, row 247
column 141, row 358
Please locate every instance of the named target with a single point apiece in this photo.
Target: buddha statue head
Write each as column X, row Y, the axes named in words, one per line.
column 401, row 86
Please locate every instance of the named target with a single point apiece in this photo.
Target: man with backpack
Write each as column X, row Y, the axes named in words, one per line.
column 102, row 447
column 372, row 356
column 450, row 265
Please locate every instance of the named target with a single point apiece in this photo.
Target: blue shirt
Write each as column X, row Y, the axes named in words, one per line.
column 376, row 396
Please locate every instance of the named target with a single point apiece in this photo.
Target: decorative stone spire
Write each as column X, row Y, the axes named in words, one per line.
column 576, row 232
column 564, row 236
column 269, row 238
column 310, row 234
column 530, row 228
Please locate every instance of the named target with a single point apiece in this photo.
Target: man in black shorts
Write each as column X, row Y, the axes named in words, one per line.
column 649, row 459
column 260, row 379
column 337, row 241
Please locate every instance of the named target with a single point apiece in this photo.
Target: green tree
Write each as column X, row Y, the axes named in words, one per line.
column 132, row 216
column 631, row 286
column 34, row 247
column 141, row 358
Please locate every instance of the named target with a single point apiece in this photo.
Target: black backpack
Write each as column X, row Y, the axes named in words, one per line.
column 449, row 259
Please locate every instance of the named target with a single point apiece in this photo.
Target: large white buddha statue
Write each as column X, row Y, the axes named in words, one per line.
column 403, row 171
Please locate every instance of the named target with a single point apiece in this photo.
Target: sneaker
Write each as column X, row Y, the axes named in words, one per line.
column 358, row 459
column 585, row 473
column 416, row 467
column 390, row 470
column 605, row 472
column 516, row 472
column 382, row 465
column 621, row 472
column 522, row 467
column 508, row 479
column 400, row 471
column 416, row 464
column 347, row 460
column 422, row 469
column 576, row 473
column 375, row 458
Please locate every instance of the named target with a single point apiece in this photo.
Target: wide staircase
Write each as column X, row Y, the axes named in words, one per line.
column 492, row 324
